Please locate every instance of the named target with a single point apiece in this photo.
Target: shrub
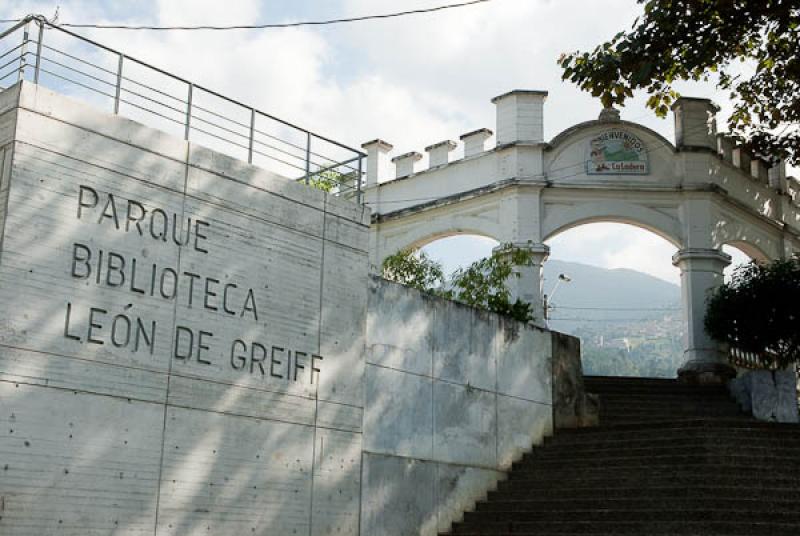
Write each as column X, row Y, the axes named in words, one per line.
column 483, row 284
column 758, row 312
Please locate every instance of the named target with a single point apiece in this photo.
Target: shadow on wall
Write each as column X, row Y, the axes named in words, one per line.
column 453, row 395
column 182, row 350
column 160, row 328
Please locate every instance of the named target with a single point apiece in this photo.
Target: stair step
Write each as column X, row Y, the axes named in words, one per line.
column 697, row 448
column 651, row 479
column 699, row 422
column 535, row 507
column 723, row 491
column 672, row 528
column 598, row 513
column 674, row 460
column 666, row 459
column 685, row 441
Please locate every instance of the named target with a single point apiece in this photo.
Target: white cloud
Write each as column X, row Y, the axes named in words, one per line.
column 412, row 81
column 615, row 245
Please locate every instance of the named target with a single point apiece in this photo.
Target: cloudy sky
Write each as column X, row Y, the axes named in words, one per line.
column 412, row 81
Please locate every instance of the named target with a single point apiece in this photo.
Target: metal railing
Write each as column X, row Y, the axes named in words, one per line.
column 43, row 53
column 749, row 360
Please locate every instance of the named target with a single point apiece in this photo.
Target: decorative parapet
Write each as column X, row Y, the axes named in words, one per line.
column 695, row 123
column 404, row 164
column 776, row 176
column 377, row 160
column 741, row 159
column 759, row 170
column 520, row 116
column 475, row 141
column 439, row 153
column 725, row 145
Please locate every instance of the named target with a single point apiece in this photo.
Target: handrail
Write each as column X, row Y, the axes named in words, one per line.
column 315, row 155
column 747, row 360
column 750, row 360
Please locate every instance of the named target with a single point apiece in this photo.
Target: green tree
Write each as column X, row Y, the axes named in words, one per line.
column 758, row 312
column 483, row 284
column 692, row 39
column 327, row 181
column 415, row 269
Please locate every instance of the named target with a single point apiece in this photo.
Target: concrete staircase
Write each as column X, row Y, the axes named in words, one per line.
column 667, row 459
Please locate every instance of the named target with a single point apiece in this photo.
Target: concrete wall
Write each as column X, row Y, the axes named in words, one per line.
column 453, row 395
column 183, row 350
column 170, row 406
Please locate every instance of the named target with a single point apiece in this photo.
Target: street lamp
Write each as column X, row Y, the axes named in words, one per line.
column 548, row 299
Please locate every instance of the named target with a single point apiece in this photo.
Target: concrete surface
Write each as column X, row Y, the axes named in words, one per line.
column 453, row 396
column 191, row 345
column 183, row 402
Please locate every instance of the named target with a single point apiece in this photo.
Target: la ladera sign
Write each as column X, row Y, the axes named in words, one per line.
column 125, row 330
column 617, row 152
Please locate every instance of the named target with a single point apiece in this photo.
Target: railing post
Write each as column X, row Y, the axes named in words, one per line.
column 23, row 51
column 38, row 52
column 118, row 87
column 252, row 135
column 358, row 180
column 308, row 157
column 189, row 111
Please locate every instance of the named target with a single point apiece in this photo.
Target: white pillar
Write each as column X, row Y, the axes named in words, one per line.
column 701, row 272
column 777, row 176
column 528, row 286
column 520, row 116
column 740, row 158
column 404, row 164
column 475, row 141
column 377, row 161
column 759, row 170
column 725, row 145
column 439, row 153
column 695, row 123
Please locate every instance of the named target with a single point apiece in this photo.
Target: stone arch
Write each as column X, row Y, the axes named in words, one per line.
column 749, row 249
column 564, row 138
column 430, row 230
column 754, row 240
column 616, row 212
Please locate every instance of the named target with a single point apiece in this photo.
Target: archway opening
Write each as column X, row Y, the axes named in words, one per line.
column 614, row 286
column 459, row 250
column 620, row 295
column 740, row 254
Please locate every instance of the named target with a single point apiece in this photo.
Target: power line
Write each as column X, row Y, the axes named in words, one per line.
column 605, row 321
column 278, row 25
column 617, row 308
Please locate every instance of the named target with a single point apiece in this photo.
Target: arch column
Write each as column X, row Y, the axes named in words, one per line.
column 528, row 286
column 701, row 272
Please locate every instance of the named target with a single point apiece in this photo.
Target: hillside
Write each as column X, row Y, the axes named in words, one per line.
column 629, row 322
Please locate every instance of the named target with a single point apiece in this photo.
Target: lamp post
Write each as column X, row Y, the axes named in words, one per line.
column 549, row 298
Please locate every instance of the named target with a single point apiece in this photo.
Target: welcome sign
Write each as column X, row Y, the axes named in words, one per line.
column 617, row 152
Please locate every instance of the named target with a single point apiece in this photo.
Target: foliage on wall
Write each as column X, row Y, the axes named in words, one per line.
column 483, row 284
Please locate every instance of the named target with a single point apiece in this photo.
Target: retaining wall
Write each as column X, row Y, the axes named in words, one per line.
column 186, row 349
column 453, row 395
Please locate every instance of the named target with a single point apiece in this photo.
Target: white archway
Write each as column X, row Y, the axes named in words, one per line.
column 700, row 193
column 626, row 307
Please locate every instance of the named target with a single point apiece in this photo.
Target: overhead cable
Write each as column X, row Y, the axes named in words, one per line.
column 278, row 25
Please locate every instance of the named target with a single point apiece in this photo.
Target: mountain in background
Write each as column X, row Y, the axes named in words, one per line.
column 629, row 322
